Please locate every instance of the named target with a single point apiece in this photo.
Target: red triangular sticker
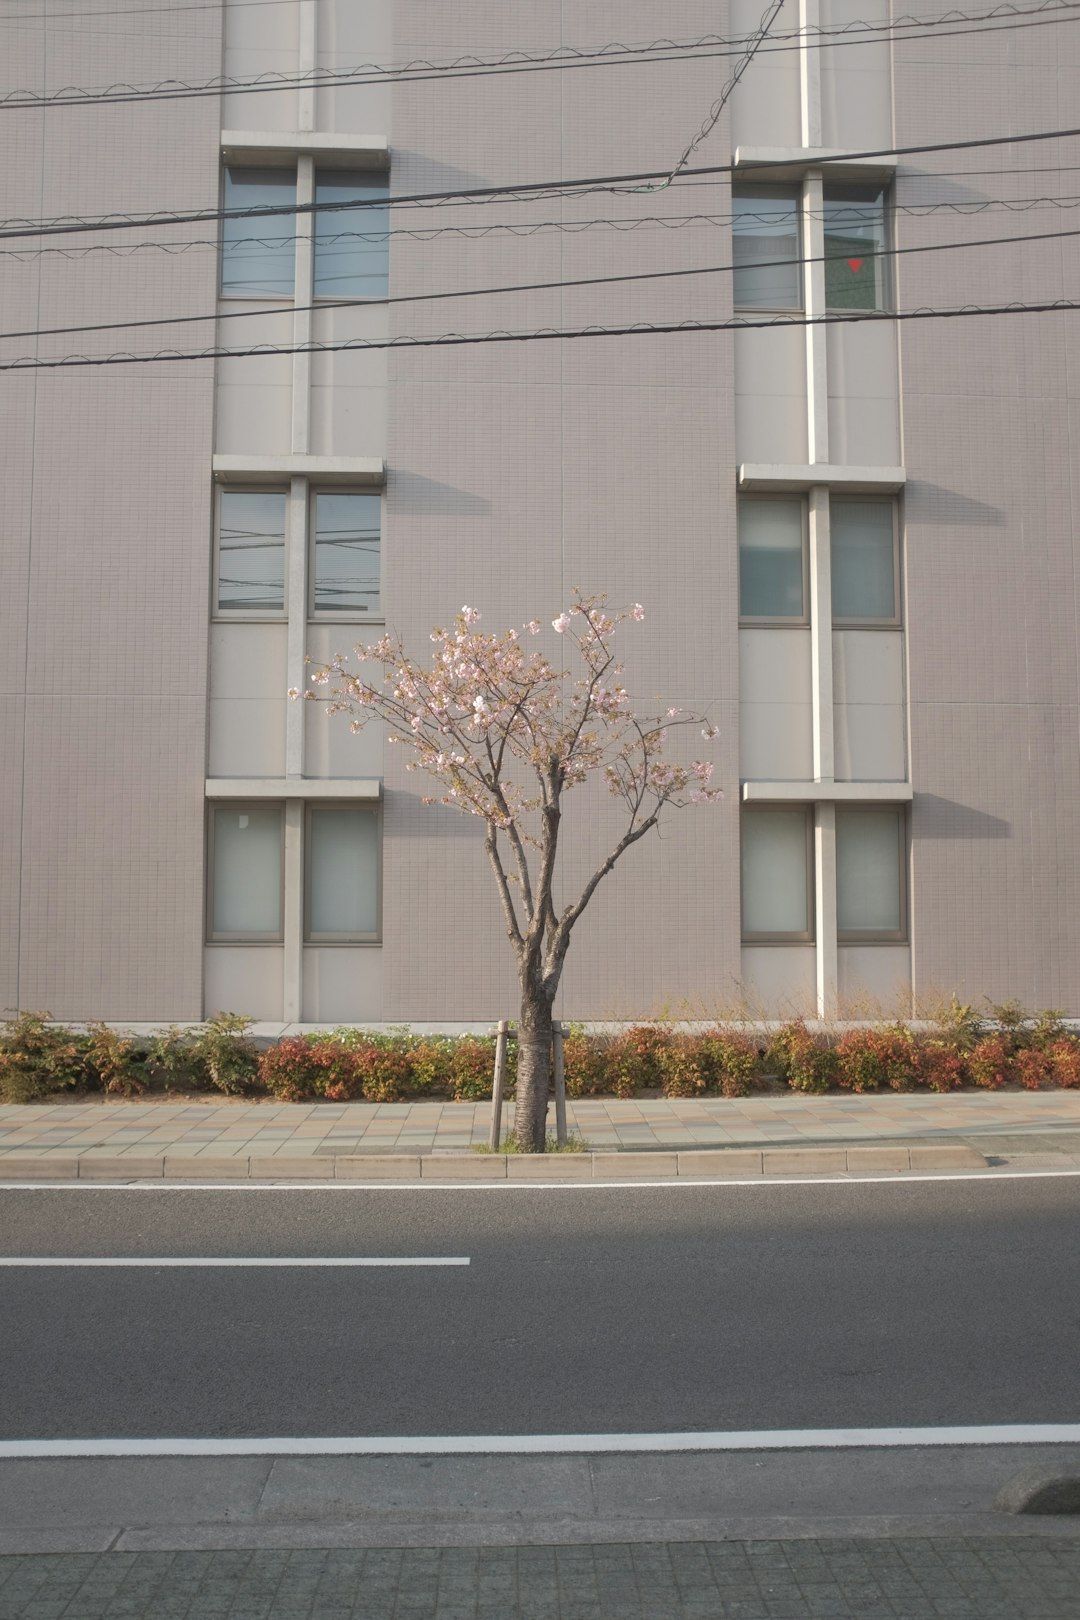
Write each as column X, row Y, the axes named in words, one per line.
column 855, row 265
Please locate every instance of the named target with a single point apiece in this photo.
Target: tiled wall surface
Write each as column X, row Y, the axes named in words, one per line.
column 104, row 555
column 991, row 517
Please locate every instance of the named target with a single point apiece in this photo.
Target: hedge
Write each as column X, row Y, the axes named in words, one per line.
column 40, row 1059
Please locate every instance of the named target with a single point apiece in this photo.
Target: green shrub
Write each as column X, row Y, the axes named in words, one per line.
column 942, row 1065
column 870, row 1059
column 471, row 1068
column 117, row 1063
column 37, row 1058
column 222, row 1050
column 800, row 1058
column 587, row 1062
column 990, row 1061
column 683, row 1065
column 734, row 1062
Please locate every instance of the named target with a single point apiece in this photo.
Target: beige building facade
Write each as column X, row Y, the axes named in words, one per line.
column 855, row 541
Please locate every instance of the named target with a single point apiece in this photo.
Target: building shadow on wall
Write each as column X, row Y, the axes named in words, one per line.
column 950, row 506
column 412, row 495
column 412, row 818
column 936, row 817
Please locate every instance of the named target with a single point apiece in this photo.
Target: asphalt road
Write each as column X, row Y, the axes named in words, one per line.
column 581, row 1311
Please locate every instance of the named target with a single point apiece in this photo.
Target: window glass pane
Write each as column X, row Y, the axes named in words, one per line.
column 771, row 559
column 765, row 250
column 854, row 237
column 247, row 870
column 774, row 897
column 344, row 870
column 347, row 553
column 863, row 572
column 352, row 245
column 868, row 871
column 251, row 549
column 258, row 256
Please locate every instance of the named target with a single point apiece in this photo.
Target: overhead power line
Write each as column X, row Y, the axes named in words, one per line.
column 857, row 31
column 541, row 286
column 627, row 224
column 457, row 339
column 532, row 189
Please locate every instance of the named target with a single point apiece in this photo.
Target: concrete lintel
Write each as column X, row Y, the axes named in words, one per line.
column 351, row 470
column 783, row 476
column 337, row 150
column 836, row 792
column 791, row 163
column 293, row 787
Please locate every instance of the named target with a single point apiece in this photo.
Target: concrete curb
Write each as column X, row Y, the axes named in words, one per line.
column 720, row 1163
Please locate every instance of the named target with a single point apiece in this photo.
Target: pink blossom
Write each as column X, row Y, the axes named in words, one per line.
column 561, row 623
column 470, row 615
column 533, row 627
column 637, row 612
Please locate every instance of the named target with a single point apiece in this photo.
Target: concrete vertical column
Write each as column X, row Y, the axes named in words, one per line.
column 300, row 434
column 810, row 73
column 817, row 377
column 299, row 504
column 307, row 59
column 821, row 660
column 296, row 632
column 292, row 968
column 825, row 909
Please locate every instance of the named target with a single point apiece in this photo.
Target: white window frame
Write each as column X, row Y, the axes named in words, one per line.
column 212, row 936
column 879, row 936
column 233, row 615
column 317, row 487
column 888, row 289
column 770, row 621
column 748, row 188
column 897, row 620
column 772, row 937
column 329, row 939
column 303, row 227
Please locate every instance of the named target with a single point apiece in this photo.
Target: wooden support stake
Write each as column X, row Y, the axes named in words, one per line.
column 560, row 1085
column 495, row 1139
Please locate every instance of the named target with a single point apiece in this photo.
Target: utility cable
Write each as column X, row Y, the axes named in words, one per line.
column 457, row 339
column 484, row 194
column 626, row 224
column 541, row 286
column 859, row 31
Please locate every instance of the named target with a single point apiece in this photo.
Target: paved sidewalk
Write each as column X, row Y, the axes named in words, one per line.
column 1044, row 1124
column 967, row 1578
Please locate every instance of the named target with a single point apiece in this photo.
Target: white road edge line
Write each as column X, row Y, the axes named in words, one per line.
column 500, row 1444
column 224, row 1260
column 990, row 1176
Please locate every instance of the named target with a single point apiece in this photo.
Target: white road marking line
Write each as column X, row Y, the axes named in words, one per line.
column 224, row 1260
column 1008, row 1434
column 989, row 1176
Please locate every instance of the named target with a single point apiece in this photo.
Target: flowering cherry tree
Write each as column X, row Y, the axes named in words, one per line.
column 506, row 735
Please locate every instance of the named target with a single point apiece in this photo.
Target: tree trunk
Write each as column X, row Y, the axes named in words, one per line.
column 533, row 1070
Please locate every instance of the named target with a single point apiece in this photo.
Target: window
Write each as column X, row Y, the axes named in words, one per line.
column 251, row 551
column 855, row 271
column 777, row 874
column 351, row 257
column 245, row 872
column 351, row 245
column 865, row 561
column 346, row 553
column 765, row 249
column 342, row 873
column 870, row 863
column 258, row 257
column 772, row 559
